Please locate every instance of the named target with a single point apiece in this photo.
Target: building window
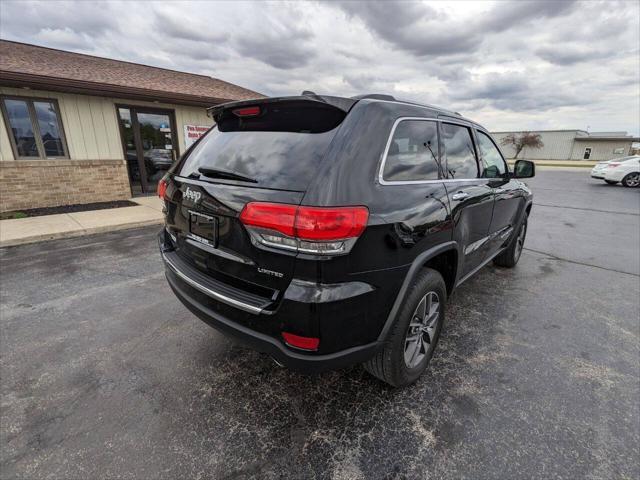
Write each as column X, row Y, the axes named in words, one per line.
column 587, row 153
column 618, row 151
column 34, row 127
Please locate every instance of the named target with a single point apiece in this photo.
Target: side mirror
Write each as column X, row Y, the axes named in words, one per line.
column 491, row 171
column 524, row 169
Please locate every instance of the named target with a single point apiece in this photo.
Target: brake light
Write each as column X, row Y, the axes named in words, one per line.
column 305, row 343
column 317, row 230
column 246, row 111
column 272, row 216
column 314, row 223
column 162, row 188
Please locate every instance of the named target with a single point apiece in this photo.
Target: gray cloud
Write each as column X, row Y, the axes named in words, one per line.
column 424, row 31
column 414, row 27
column 602, row 22
column 197, row 51
column 358, row 56
column 506, row 15
column 79, row 17
column 283, row 47
column 61, row 37
column 516, row 93
column 517, row 65
column 362, row 82
column 197, row 30
column 571, row 54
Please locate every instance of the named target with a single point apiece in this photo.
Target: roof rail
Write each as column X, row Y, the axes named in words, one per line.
column 375, row 96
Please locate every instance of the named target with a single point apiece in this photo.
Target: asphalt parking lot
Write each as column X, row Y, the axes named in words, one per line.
column 104, row 374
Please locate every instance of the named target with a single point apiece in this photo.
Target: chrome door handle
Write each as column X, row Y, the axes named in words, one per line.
column 460, row 196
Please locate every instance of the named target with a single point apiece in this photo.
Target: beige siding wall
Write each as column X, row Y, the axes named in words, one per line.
column 566, row 145
column 96, row 170
column 5, row 146
column 190, row 116
column 557, row 146
column 91, row 123
column 600, row 149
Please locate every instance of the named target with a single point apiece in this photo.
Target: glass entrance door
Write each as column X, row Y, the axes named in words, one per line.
column 150, row 147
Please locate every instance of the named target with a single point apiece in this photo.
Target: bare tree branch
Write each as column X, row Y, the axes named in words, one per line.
column 521, row 140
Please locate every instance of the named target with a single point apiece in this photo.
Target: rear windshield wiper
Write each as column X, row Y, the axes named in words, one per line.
column 215, row 173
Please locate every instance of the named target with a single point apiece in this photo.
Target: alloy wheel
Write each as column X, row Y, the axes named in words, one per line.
column 632, row 180
column 420, row 338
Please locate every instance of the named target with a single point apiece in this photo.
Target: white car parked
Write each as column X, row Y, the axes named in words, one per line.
column 600, row 167
column 625, row 170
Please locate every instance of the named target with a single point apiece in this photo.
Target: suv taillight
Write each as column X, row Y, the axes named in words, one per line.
column 315, row 230
column 162, row 188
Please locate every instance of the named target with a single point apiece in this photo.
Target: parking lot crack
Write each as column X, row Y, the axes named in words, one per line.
column 586, row 209
column 575, row 262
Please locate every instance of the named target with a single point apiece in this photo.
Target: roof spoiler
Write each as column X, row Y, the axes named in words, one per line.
column 340, row 103
column 375, row 96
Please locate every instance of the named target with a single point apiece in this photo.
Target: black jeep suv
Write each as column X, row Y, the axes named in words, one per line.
column 328, row 231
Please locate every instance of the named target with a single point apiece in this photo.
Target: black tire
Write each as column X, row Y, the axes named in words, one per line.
column 389, row 365
column 631, row 180
column 509, row 258
column 611, row 182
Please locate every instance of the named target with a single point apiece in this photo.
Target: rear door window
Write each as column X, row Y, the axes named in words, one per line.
column 412, row 154
column 459, row 151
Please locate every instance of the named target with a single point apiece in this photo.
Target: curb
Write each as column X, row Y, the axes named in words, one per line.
column 78, row 233
column 558, row 165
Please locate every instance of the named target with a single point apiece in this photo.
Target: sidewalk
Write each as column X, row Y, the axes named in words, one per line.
column 560, row 163
column 48, row 227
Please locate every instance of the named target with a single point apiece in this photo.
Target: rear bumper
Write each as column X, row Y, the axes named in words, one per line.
column 309, row 363
column 616, row 175
column 341, row 315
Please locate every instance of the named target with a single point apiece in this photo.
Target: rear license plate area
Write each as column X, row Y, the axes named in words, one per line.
column 203, row 228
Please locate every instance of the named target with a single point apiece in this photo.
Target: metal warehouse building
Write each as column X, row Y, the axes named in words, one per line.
column 79, row 129
column 575, row 145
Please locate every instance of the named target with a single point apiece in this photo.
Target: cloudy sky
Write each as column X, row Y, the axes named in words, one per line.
column 520, row 65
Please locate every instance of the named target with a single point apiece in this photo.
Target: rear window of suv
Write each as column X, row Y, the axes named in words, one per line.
column 281, row 148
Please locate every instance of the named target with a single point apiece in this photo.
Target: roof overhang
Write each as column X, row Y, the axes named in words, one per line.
column 608, row 139
column 43, row 82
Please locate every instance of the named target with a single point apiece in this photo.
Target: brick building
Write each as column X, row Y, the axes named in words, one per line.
column 81, row 129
